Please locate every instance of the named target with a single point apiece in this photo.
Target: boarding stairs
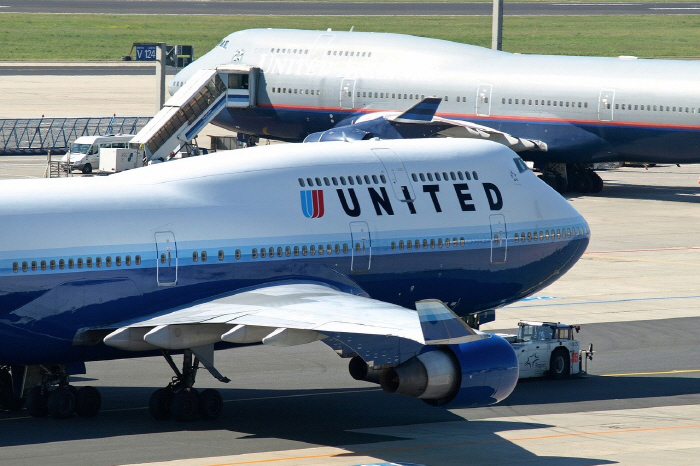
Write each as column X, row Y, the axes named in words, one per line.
column 192, row 107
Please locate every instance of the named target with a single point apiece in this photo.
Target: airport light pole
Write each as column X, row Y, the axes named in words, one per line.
column 160, row 75
column 497, row 28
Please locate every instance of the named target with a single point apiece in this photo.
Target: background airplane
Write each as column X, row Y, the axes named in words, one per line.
column 280, row 245
column 563, row 113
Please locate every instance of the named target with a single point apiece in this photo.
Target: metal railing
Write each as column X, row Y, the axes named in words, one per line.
column 33, row 136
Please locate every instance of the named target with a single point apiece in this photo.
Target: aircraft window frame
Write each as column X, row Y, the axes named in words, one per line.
column 468, row 176
column 401, row 245
column 346, row 249
column 351, row 181
column 329, row 249
column 88, row 262
column 439, row 243
column 475, row 175
column 460, row 176
column 529, row 236
column 312, row 250
column 334, row 180
column 271, row 252
column 254, row 253
column 98, row 262
column 367, row 181
column 342, row 180
column 437, row 176
column 195, row 256
column 221, row 254
column 375, row 179
column 61, row 264
column 296, row 250
column 310, row 182
column 318, row 181
column 320, row 249
column 382, row 178
column 25, row 266
column 358, row 178
column 301, row 182
column 409, row 244
column 337, row 248
column 304, row 250
column 43, row 265
column 326, row 181
column 430, row 176
column 79, row 263
column 516, row 237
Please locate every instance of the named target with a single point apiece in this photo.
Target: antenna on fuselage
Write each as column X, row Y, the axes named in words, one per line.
column 351, row 28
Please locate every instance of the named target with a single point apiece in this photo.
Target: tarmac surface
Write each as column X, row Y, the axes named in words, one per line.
column 635, row 292
column 176, row 7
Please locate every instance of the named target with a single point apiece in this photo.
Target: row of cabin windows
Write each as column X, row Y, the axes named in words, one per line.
column 312, row 250
column 73, row 263
column 373, row 179
column 203, row 256
column 444, row 177
column 549, row 103
column 347, row 53
column 654, row 108
column 289, row 90
column 547, row 234
column 292, row 51
column 432, row 243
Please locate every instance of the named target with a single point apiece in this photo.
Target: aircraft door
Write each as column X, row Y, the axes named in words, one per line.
column 398, row 177
column 166, row 258
column 361, row 247
column 605, row 105
column 499, row 239
column 347, row 93
column 483, row 100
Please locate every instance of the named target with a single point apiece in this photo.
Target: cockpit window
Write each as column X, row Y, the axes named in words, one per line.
column 522, row 167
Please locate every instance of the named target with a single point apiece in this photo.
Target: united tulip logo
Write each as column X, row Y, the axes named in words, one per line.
column 312, row 203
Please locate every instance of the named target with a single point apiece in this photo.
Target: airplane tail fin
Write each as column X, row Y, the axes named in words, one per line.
column 441, row 326
column 422, row 111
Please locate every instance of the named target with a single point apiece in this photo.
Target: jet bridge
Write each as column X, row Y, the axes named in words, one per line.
column 201, row 98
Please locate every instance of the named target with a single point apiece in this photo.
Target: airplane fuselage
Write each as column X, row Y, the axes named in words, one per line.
column 586, row 109
column 464, row 222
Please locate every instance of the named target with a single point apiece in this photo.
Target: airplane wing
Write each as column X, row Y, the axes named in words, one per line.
column 420, row 121
column 290, row 314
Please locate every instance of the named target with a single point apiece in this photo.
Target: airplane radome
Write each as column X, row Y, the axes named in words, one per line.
column 373, row 247
column 563, row 113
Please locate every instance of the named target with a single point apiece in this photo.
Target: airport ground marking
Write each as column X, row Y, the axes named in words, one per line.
column 460, row 444
column 680, row 248
column 680, row 371
column 608, row 301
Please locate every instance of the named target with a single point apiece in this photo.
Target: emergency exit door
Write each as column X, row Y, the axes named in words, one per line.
column 347, row 93
column 499, row 239
column 483, row 100
column 361, row 247
column 166, row 258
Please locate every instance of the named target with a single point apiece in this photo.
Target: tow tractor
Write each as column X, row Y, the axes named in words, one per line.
column 549, row 348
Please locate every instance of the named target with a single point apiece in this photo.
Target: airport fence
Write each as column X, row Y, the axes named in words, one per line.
column 33, row 136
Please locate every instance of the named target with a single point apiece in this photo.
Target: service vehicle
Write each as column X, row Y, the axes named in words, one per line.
column 84, row 153
column 549, row 348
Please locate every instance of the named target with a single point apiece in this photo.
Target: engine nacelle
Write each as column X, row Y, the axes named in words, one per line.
column 346, row 133
column 473, row 374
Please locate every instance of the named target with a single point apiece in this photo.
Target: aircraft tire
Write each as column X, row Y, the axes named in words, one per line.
column 559, row 363
column 7, row 397
column 88, row 402
column 185, row 405
column 61, row 403
column 159, row 404
column 210, row 404
column 597, row 182
column 87, row 169
column 36, row 403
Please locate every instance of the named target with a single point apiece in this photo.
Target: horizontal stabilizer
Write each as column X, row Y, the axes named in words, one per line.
column 423, row 111
column 441, row 326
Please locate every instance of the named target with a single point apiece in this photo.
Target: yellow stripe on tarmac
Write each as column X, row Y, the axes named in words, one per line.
column 651, row 373
column 338, row 453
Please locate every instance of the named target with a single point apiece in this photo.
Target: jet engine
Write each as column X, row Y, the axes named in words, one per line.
column 467, row 375
column 346, row 133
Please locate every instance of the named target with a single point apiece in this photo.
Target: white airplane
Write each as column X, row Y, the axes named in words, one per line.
column 280, row 245
column 563, row 113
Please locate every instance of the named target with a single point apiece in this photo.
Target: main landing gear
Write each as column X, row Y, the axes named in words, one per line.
column 180, row 400
column 55, row 397
column 571, row 177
